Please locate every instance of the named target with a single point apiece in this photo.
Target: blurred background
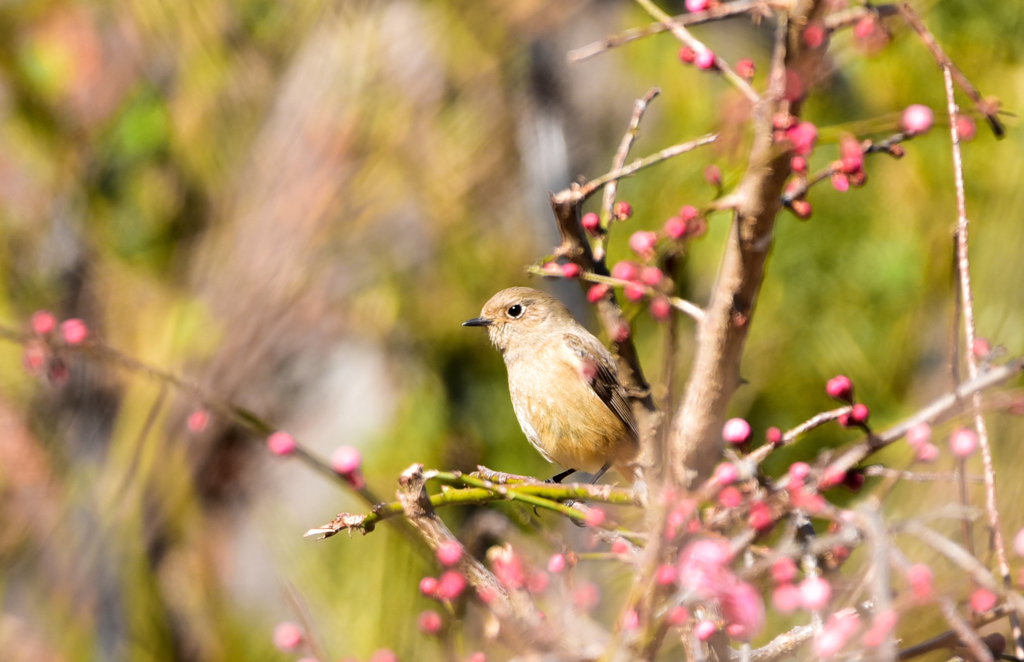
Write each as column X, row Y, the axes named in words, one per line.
column 297, row 204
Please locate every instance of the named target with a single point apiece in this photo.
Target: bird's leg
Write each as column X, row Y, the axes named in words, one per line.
column 558, row 478
column 600, row 472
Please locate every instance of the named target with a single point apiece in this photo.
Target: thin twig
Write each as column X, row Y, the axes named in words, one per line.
column 683, row 35
column 967, row 302
column 724, row 10
column 586, row 190
column 984, row 107
column 628, row 138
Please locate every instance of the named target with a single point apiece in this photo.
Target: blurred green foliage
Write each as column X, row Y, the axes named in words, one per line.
column 235, row 189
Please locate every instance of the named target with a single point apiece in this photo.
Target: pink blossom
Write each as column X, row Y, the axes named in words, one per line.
column 786, row 598
column 634, row 291
column 198, row 420
column 963, row 441
column 449, row 552
column 556, row 563
column 597, row 292
column 675, row 227
column 773, row 435
column 651, row 276
column 1018, row 543
column 622, row 210
column 74, row 331
column 630, row 620
column 287, row 636
column 983, row 599
column 840, row 387
column 760, row 517
column 705, row 59
column 281, row 443
column 660, row 308
column 450, row 585
column 591, row 222
column 586, row 596
column 346, row 459
column 625, row 270
column 428, row 586
column 429, row 622
column 593, row 517
column 784, row 570
column 666, row 574
column 642, row 241
column 506, row 566
column 705, row 629
column 881, row 625
column 831, row 639
column 814, row 34
column 730, row 497
column 678, row 615
column 537, row 581
column 736, row 431
column 920, row 577
column 917, row 119
column 919, row 434
column 726, row 473
column 620, row 547
column 703, row 567
column 799, row 471
column 803, row 136
column 570, row 270
column 743, row 609
column 696, row 5
column 840, row 182
column 815, row 592
column 43, row 322
column 966, row 127
column 928, row 452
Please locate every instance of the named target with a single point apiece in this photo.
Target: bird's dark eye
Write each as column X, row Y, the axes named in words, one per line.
column 515, row 310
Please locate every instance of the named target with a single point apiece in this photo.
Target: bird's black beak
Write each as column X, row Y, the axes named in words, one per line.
column 477, row 321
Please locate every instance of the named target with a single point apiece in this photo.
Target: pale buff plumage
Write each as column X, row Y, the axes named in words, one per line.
column 563, row 382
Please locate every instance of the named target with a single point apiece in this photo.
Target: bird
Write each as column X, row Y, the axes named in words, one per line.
column 564, row 384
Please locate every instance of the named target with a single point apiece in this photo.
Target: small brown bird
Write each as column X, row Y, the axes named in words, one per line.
column 564, row 384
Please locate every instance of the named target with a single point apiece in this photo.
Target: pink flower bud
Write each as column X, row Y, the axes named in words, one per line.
column 429, row 622
column 666, row 574
column 449, row 552
column 864, row 27
column 1018, row 543
column 983, row 599
column 831, row 639
column 881, row 625
column 630, row 620
column 840, row 387
column 634, row 291
column 597, row 292
column 591, row 222
column 428, row 586
column 287, row 637
column 556, row 563
column 33, row 357
column 570, row 270
column 963, row 441
column 281, row 443
column 784, row 570
column 966, row 127
column 743, row 609
column 642, row 242
column 506, row 566
column 586, row 596
column 980, row 348
column 860, row 413
column 917, row 119
column 198, row 420
column 687, row 55
column 622, row 210
column 697, row 5
column 593, row 517
column 760, row 517
column 730, row 497
column 920, row 577
column 705, row 629
column 382, row 655
column 798, row 164
column 815, row 593
column 786, row 598
column 346, row 460
column 745, row 68
column 678, row 615
column 660, row 308
column 478, row 657
column 801, row 208
column 928, row 452
column 840, row 182
column 798, row 471
column 814, row 34
column 74, row 331
column 726, row 473
column 674, row 227
column 803, row 136
column 43, row 322
column 651, row 276
column 625, row 270
column 773, row 435
column 851, row 154
column 919, row 434
column 705, row 59
column 450, row 585
column 620, row 547
column 712, row 173
column 736, row 431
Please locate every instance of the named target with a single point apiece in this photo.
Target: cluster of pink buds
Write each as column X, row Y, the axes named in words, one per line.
column 849, row 169
column 702, row 57
column 703, row 567
column 45, row 334
column 841, row 388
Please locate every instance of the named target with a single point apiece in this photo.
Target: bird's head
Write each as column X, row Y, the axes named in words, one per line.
column 520, row 316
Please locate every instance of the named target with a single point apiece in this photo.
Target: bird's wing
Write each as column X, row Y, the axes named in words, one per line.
column 605, row 380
